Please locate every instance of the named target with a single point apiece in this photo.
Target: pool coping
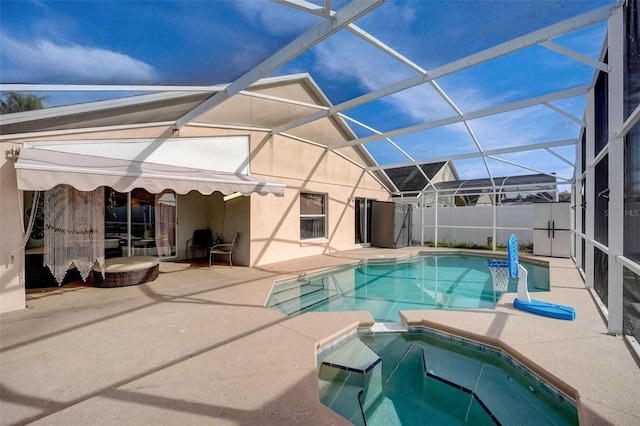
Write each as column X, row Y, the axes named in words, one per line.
column 554, row 386
column 582, row 395
column 258, row 365
column 513, row 357
column 491, row 346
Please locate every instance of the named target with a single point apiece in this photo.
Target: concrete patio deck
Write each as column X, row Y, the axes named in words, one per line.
column 197, row 346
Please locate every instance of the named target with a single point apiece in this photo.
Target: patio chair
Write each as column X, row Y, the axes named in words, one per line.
column 202, row 240
column 224, row 248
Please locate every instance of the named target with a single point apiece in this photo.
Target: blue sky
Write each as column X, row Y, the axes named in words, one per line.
column 209, row 42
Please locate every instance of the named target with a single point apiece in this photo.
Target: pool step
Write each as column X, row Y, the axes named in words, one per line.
column 288, row 290
column 293, row 299
column 446, row 377
column 302, row 281
column 344, row 399
column 355, row 372
column 353, row 356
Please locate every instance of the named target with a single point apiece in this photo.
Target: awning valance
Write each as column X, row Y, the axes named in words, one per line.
column 40, row 170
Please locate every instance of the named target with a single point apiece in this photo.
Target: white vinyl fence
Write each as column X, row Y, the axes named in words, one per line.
column 474, row 224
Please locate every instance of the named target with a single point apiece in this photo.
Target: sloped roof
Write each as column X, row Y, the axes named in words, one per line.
column 409, row 178
column 155, row 108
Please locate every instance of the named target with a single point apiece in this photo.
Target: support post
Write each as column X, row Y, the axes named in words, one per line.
column 616, row 170
column 495, row 220
column 435, row 222
column 422, row 219
column 590, row 183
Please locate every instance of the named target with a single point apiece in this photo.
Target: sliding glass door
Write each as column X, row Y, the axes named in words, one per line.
column 363, row 220
column 139, row 223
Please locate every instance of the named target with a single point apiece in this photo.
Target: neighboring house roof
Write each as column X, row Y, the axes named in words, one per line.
column 409, row 178
column 535, row 187
column 531, row 182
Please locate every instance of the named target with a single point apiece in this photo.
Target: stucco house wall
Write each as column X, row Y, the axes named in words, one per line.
column 273, row 229
column 269, row 226
column 275, row 223
column 12, row 292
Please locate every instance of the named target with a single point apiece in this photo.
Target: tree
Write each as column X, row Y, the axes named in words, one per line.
column 564, row 196
column 16, row 102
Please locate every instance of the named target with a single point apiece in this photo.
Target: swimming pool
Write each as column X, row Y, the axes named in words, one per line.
column 427, row 377
column 423, row 282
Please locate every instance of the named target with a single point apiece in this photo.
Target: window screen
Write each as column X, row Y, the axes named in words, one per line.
column 632, row 139
column 313, row 216
column 631, row 58
column 583, row 152
column 601, row 275
column 631, row 301
column 601, row 209
column 601, row 111
column 583, row 212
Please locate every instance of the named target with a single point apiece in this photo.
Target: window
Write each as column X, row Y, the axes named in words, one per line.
column 313, row 216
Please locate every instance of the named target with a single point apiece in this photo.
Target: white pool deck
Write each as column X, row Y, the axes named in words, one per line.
column 197, row 346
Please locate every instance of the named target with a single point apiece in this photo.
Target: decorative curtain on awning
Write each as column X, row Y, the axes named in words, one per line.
column 73, row 230
column 165, row 219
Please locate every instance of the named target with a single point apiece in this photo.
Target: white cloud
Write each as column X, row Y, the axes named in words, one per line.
column 42, row 61
column 372, row 70
column 275, row 20
column 346, row 56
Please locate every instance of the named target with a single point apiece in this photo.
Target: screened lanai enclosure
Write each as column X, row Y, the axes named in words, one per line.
column 519, row 103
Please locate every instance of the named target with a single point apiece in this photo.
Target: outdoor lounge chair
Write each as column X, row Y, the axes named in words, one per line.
column 202, row 240
column 224, row 248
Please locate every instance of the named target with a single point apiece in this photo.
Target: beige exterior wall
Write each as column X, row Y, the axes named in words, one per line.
column 12, row 290
column 271, row 233
column 237, row 218
column 275, row 222
column 446, row 174
column 269, row 226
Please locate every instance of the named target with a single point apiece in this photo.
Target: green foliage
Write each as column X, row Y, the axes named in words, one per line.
column 456, row 244
column 564, row 196
column 522, row 248
column 16, row 102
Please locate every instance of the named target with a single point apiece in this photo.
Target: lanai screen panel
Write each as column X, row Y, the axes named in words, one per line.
column 542, row 186
column 631, row 280
column 401, row 67
column 632, row 139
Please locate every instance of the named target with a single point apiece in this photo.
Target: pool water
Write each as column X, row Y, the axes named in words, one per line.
column 418, row 378
column 424, row 282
